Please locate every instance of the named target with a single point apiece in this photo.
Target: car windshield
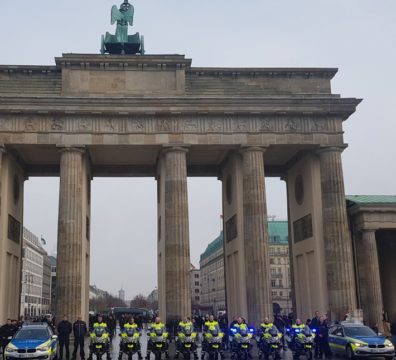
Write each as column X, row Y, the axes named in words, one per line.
column 33, row 334
column 353, row 331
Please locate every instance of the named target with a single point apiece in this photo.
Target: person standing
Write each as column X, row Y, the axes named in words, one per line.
column 6, row 332
column 111, row 324
column 64, row 330
column 393, row 332
column 322, row 336
column 80, row 331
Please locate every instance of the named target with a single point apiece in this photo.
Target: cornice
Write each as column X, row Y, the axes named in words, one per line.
column 306, row 73
column 117, row 62
column 342, row 107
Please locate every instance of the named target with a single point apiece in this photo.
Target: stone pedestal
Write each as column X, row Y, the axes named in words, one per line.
column 256, row 244
column 72, row 288
column 372, row 310
column 176, row 246
column 336, row 235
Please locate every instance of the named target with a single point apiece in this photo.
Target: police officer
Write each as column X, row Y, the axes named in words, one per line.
column 210, row 323
column 64, row 330
column 80, row 331
column 265, row 326
column 131, row 324
column 296, row 327
column 235, row 333
column 156, row 325
column 6, row 331
column 281, row 326
column 100, row 324
column 182, row 327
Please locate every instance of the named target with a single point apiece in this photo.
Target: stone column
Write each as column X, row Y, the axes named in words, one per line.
column 336, row 235
column 2, row 151
column 256, row 244
column 374, row 304
column 71, row 234
column 177, row 246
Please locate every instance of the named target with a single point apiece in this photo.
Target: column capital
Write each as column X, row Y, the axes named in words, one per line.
column 175, row 148
column 246, row 148
column 327, row 149
column 368, row 231
column 71, row 148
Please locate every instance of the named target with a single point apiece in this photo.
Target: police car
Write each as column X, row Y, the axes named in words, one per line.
column 35, row 341
column 355, row 340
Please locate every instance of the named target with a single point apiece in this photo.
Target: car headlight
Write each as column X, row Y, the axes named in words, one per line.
column 43, row 348
column 388, row 344
column 357, row 344
column 10, row 348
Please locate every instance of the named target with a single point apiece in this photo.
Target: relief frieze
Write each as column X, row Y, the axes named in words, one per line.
column 292, row 125
column 57, row 124
column 163, row 125
column 241, row 125
column 188, row 125
column 214, row 125
column 30, row 124
column 319, row 125
column 265, row 125
column 137, row 125
column 151, row 124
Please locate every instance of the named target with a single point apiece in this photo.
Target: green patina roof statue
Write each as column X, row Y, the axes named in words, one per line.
column 121, row 42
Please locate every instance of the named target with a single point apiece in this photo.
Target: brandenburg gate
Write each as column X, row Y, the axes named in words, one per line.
column 157, row 116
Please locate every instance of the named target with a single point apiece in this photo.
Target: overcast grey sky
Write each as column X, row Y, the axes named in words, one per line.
column 357, row 36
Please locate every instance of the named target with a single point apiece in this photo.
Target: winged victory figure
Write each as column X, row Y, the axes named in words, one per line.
column 121, row 42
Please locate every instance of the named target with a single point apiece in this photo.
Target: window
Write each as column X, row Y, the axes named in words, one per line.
column 273, row 284
column 197, row 283
column 196, row 276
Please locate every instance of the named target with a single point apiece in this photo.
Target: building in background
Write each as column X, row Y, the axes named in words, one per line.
column 36, row 277
column 121, row 294
column 212, row 276
column 280, row 266
column 195, row 286
column 52, row 260
column 212, row 271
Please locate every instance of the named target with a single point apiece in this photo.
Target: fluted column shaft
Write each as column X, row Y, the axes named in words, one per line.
column 257, row 266
column 177, row 245
column 337, row 239
column 70, row 234
column 374, row 303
